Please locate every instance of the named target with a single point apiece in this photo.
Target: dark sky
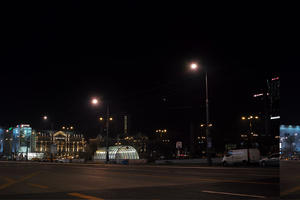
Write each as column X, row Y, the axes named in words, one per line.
column 57, row 56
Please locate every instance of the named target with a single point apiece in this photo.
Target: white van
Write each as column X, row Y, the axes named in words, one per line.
column 241, row 156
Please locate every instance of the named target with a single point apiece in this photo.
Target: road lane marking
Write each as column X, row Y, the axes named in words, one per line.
column 195, row 179
column 38, row 185
column 83, row 196
column 234, row 194
column 292, row 190
column 12, row 182
column 197, row 173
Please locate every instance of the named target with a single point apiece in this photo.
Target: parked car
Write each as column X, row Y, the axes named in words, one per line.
column 46, row 160
column 271, row 160
column 62, row 160
column 240, row 156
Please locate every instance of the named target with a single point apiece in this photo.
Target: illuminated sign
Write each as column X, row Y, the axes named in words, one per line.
column 275, row 117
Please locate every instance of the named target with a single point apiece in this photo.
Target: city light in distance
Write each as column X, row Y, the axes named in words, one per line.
column 250, row 117
column 45, row 117
column 161, row 130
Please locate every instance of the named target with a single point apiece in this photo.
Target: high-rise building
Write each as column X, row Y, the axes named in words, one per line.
column 7, row 141
column 22, row 139
column 1, row 140
column 267, row 102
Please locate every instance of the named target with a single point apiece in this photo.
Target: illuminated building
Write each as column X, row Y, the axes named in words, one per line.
column 66, row 143
column 7, row 142
column 21, row 139
column 1, row 140
column 267, row 104
column 289, row 139
column 117, row 153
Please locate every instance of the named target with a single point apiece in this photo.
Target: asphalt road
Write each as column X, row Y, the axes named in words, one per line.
column 290, row 180
column 80, row 181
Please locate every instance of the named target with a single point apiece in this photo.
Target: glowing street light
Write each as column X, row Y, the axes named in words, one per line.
column 95, row 101
column 251, row 133
column 194, row 66
column 45, row 117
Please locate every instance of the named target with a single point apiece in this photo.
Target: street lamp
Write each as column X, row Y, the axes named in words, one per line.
column 194, row 66
column 250, row 118
column 95, row 102
column 50, row 122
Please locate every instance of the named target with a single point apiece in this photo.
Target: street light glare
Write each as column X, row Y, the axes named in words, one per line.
column 45, row 117
column 194, row 66
column 94, row 101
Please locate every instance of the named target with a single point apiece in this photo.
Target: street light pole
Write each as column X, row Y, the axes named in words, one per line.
column 250, row 132
column 194, row 67
column 108, row 118
column 208, row 139
column 107, row 130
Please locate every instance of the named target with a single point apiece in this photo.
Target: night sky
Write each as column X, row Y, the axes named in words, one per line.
column 135, row 56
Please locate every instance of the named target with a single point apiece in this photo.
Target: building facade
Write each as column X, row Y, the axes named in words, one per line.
column 267, row 103
column 289, row 139
column 22, row 141
column 59, row 143
column 1, row 140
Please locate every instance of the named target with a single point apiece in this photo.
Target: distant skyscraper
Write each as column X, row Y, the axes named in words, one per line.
column 267, row 101
column 1, row 140
column 274, row 97
column 125, row 125
column 268, row 104
column 7, row 141
column 21, row 138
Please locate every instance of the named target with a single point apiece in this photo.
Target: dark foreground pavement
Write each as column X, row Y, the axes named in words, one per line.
column 79, row 181
column 290, row 180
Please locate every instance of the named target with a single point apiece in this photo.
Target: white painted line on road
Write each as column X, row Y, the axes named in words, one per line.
column 234, row 194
